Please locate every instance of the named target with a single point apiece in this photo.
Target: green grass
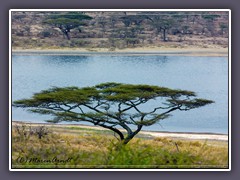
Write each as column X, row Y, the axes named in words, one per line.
column 97, row 149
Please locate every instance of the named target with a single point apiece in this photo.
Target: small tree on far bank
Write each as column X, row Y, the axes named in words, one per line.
column 68, row 21
column 162, row 23
column 112, row 105
column 223, row 28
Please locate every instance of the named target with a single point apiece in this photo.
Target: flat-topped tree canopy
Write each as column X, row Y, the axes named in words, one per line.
column 112, row 105
column 66, row 21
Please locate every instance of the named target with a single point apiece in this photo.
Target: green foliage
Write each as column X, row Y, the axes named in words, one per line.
column 67, row 21
column 89, row 149
column 210, row 17
column 167, row 23
column 46, row 33
column 111, row 104
column 223, row 26
column 139, row 156
column 132, row 41
column 163, row 24
column 71, row 15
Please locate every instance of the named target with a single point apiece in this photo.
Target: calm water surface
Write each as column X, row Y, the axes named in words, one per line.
column 207, row 76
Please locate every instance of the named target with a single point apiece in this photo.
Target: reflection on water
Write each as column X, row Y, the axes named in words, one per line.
column 207, row 76
column 65, row 60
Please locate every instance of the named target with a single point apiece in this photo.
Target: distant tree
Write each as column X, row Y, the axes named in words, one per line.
column 67, row 21
column 223, row 27
column 194, row 18
column 142, row 38
column 124, row 33
column 162, row 24
column 132, row 41
column 211, row 29
column 102, row 22
column 112, row 105
column 126, row 21
column 27, row 29
column 210, row 17
column 186, row 30
column 208, row 26
column 129, row 34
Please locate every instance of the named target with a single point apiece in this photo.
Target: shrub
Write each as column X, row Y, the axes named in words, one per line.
column 92, row 149
column 78, row 43
column 146, row 156
column 46, row 34
column 24, row 132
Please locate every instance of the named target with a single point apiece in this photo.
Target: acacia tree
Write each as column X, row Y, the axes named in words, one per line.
column 223, row 27
column 210, row 17
column 162, row 23
column 66, row 22
column 112, row 105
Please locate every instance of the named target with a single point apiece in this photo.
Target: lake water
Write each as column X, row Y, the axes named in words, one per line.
column 207, row 76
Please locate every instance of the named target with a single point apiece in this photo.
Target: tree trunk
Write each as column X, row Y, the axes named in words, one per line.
column 164, row 35
column 67, row 35
column 127, row 139
column 65, row 32
column 130, row 136
column 114, row 130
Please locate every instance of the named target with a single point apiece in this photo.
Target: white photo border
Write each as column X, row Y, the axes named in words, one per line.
column 118, row 10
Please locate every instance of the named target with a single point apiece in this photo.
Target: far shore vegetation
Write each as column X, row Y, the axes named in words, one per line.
column 119, row 30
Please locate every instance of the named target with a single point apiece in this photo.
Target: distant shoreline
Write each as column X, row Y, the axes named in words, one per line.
column 222, row 52
column 181, row 135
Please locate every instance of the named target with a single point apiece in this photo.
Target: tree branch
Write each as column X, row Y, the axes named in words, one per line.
column 155, row 109
column 113, row 129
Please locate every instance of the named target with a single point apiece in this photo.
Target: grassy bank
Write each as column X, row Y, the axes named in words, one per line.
column 69, row 147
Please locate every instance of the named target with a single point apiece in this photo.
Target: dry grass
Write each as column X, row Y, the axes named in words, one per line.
column 99, row 149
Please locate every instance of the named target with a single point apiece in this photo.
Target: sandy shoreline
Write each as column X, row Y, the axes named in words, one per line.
column 180, row 135
column 127, row 52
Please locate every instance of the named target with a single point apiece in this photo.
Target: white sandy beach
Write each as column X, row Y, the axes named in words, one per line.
column 180, row 135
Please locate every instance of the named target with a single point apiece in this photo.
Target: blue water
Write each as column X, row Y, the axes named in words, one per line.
column 207, row 76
